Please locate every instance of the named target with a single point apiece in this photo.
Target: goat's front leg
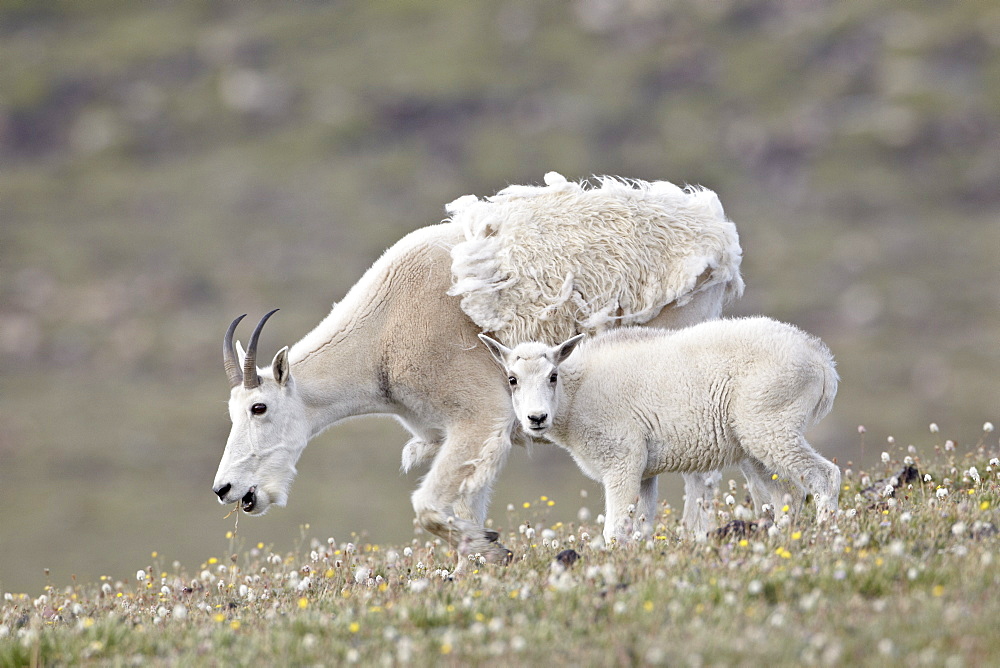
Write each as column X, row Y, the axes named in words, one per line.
column 452, row 499
column 621, row 490
column 699, row 493
column 646, row 511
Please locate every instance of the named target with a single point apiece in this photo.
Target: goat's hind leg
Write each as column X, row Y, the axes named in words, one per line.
column 768, row 488
column 792, row 458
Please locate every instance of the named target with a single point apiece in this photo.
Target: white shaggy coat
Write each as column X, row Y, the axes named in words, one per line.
column 544, row 263
column 633, row 403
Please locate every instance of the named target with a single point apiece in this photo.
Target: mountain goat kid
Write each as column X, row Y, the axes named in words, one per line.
column 632, row 403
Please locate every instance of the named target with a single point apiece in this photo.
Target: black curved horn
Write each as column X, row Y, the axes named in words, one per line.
column 229, row 359
column 250, row 377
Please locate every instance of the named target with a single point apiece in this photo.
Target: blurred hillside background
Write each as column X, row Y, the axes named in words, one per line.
column 167, row 166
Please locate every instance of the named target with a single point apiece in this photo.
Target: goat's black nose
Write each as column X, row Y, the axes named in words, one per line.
column 222, row 491
column 538, row 419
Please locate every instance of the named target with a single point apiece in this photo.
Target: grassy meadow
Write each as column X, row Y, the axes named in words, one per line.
column 908, row 574
column 167, row 166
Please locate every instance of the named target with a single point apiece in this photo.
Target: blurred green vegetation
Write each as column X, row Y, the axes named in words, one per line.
column 167, row 166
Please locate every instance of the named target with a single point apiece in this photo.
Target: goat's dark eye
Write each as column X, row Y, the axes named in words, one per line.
column 258, row 409
column 512, row 381
column 553, row 378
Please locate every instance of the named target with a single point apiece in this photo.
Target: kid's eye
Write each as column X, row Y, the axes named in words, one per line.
column 512, row 381
column 258, row 409
column 553, row 377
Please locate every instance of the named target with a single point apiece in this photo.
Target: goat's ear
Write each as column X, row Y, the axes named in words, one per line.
column 567, row 347
column 281, row 367
column 240, row 353
column 497, row 349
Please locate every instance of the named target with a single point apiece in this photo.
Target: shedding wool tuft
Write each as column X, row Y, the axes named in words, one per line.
column 546, row 262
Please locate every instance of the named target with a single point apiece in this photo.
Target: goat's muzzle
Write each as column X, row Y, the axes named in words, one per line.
column 222, row 491
column 249, row 500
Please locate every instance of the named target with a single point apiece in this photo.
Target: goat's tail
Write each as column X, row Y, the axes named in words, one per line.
column 831, row 380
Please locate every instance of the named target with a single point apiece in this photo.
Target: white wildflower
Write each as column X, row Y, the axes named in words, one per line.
column 583, row 514
column 888, row 491
column 885, row 457
column 941, row 492
column 730, row 501
column 407, row 551
column 973, row 473
column 934, row 428
column 958, row 529
column 949, row 445
column 988, row 427
column 927, row 477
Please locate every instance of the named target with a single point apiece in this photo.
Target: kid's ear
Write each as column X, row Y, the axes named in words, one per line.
column 497, row 349
column 567, row 347
column 281, row 367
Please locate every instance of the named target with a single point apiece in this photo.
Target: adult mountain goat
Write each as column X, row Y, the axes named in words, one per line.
column 531, row 262
column 632, row 403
